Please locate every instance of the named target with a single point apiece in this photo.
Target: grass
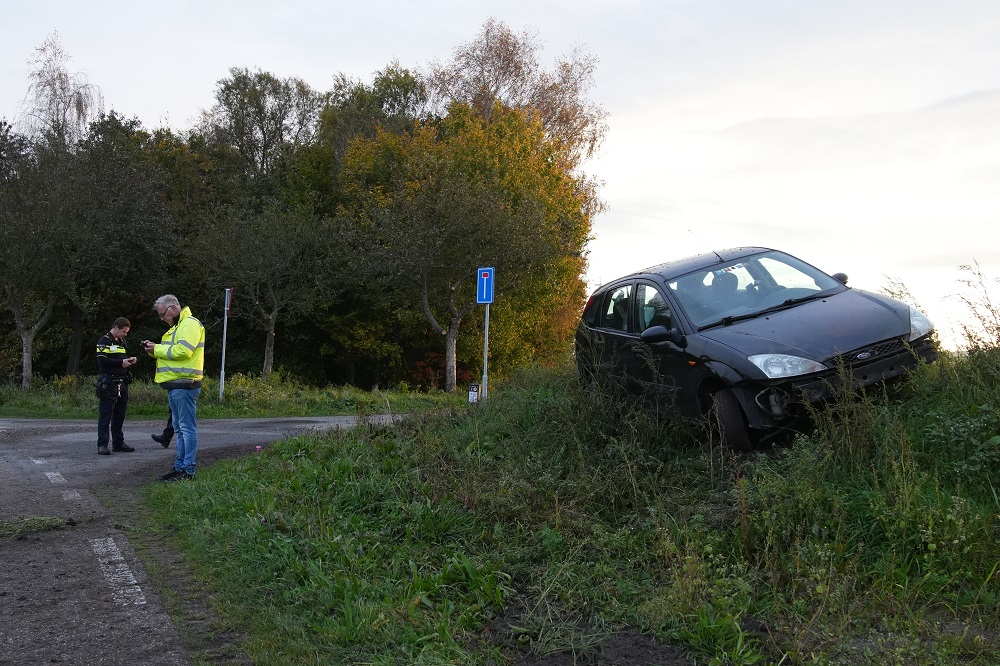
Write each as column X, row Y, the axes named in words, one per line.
column 20, row 528
column 552, row 518
column 343, row 551
column 243, row 396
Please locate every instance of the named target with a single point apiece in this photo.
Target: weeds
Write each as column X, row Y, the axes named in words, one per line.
column 719, row 636
column 549, row 517
column 983, row 333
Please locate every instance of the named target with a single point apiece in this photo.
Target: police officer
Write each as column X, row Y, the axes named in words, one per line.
column 113, row 363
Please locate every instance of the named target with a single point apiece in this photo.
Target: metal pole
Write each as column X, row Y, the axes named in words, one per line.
column 486, row 346
column 225, row 326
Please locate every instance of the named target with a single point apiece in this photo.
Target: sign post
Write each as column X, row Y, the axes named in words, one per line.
column 225, row 325
column 484, row 294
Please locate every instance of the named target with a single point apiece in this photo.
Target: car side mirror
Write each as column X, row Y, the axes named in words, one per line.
column 655, row 334
column 840, row 277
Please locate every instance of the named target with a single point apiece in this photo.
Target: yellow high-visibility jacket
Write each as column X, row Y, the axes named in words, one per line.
column 180, row 355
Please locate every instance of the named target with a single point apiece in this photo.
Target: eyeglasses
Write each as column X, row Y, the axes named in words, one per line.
column 164, row 313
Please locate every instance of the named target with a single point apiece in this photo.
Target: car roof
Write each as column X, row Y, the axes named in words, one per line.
column 678, row 267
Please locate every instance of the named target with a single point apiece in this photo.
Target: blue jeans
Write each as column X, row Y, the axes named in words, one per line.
column 183, row 407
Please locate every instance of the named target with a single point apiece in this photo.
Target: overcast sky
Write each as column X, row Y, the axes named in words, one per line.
column 862, row 136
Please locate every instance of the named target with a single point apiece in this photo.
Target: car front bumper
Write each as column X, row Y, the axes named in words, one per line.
column 773, row 404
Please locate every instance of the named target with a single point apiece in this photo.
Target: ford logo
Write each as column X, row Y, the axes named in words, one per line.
column 864, row 356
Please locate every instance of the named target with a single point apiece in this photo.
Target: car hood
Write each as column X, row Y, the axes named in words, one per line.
column 819, row 329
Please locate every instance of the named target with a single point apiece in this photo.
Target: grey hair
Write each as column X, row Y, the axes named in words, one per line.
column 166, row 300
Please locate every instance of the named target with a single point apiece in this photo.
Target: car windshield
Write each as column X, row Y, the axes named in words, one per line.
column 749, row 287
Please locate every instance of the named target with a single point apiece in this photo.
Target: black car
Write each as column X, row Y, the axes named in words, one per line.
column 750, row 334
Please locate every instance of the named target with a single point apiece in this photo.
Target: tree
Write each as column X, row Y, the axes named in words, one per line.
column 394, row 100
column 192, row 182
column 259, row 115
column 112, row 244
column 259, row 233
column 59, row 104
column 499, row 66
column 37, row 194
column 26, row 239
column 274, row 259
column 431, row 207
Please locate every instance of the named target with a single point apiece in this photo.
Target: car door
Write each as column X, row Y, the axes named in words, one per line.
column 659, row 370
column 613, row 330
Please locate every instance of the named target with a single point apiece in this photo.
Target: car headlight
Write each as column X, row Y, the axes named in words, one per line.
column 920, row 325
column 776, row 366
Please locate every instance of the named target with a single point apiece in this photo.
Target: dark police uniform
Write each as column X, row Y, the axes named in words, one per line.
column 112, row 389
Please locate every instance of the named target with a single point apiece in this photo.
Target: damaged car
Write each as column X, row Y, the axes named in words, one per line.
column 751, row 336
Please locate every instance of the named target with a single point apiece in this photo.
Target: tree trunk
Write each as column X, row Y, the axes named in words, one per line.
column 28, row 334
column 450, row 354
column 26, row 369
column 269, row 346
column 75, row 342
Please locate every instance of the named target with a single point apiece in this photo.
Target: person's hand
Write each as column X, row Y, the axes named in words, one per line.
column 129, row 362
column 147, row 345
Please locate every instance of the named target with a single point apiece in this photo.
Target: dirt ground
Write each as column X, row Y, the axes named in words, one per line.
column 99, row 590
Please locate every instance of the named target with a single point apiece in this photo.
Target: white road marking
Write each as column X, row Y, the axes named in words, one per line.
column 55, row 477
column 38, row 461
column 71, row 495
column 124, row 588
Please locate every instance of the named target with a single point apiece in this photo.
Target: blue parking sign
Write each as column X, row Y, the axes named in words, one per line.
column 484, row 288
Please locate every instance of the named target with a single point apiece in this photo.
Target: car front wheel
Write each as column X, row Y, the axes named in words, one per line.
column 727, row 415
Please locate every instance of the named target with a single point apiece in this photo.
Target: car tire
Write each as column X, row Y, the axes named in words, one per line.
column 727, row 415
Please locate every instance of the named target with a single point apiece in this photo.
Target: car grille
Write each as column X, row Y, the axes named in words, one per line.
column 869, row 353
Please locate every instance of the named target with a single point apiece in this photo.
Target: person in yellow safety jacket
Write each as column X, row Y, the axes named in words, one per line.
column 180, row 365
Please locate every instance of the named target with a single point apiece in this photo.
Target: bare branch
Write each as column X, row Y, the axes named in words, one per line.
column 59, row 103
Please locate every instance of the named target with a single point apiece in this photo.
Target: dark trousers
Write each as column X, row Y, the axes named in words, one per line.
column 111, row 416
column 168, row 431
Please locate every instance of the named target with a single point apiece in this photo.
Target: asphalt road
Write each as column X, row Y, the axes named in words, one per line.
column 80, row 595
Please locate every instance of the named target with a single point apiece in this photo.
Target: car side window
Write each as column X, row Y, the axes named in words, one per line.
column 653, row 308
column 614, row 309
column 592, row 311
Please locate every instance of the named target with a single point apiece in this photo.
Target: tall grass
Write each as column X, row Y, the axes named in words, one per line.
column 559, row 517
column 549, row 517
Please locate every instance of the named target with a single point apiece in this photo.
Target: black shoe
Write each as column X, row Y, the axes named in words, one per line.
column 180, row 476
column 162, row 439
column 103, row 450
column 170, row 475
column 123, row 449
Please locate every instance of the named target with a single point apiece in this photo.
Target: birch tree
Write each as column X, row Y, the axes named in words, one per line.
column 500, row 66
column 59, row 103
column 37, row 201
